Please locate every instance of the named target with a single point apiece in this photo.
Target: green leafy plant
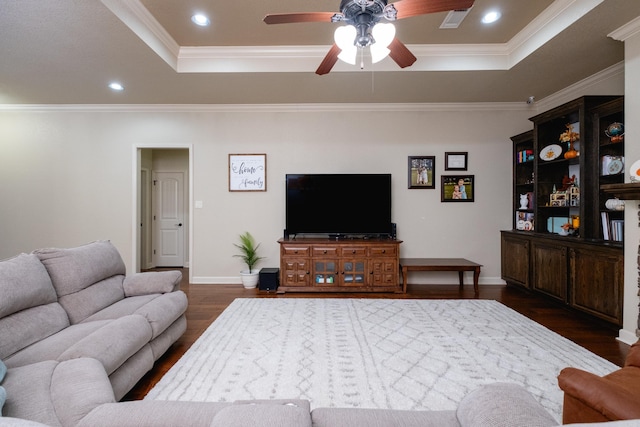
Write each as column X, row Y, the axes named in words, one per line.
column 248, row 250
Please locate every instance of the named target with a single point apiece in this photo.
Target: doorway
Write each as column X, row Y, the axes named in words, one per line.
column 162, row 218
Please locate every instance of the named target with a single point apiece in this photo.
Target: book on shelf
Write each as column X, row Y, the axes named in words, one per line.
column 524, row 156
column 617, row 230
column 612, row 229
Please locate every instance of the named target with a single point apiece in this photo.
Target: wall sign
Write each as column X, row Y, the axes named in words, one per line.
column 247, row 172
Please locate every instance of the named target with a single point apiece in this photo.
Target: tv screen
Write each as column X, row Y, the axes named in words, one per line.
column 338, row 204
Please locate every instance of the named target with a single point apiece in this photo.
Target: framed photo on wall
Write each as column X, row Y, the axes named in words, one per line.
column 455, row 161
column 422, row 172
column 247, row 172
column 458, row 188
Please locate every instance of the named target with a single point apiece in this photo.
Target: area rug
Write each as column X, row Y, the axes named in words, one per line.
column 372, row 353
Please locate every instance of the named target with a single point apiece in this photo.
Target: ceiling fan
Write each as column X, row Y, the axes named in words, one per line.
column 364, row 28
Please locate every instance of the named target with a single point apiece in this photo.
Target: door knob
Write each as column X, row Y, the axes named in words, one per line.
column 179, row 225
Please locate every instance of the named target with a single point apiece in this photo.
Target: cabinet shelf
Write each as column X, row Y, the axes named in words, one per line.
column 627, row 191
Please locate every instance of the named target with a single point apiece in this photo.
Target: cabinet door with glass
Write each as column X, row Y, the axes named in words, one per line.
column 353, row 266
column 325, row 272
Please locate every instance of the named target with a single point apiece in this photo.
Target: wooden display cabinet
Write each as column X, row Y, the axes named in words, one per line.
column 323, row 265
column 585, row 268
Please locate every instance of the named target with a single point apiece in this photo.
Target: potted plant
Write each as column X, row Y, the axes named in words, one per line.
column 249, row 254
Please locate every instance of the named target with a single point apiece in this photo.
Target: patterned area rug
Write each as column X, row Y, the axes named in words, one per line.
column 372, row 353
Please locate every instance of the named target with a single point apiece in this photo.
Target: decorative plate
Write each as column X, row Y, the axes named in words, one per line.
column 634, row 171
column 616, row 166
column 550, row 152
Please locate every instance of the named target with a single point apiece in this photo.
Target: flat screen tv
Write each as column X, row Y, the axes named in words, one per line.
column 338, row 204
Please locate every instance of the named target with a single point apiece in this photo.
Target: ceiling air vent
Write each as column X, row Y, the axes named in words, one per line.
column 454, row 18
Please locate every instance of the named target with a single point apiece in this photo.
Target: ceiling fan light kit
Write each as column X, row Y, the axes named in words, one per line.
column 364, row 30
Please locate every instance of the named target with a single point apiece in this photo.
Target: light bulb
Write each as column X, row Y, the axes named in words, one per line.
column 378, row 52
column 345, row 37
column 383, row 34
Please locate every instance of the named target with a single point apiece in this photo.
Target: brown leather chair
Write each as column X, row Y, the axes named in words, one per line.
column 590, row 398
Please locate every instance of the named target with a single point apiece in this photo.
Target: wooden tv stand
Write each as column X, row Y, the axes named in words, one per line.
column 347, row 265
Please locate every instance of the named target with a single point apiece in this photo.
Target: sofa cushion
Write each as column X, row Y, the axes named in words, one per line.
column 24, row 328
column 74, row 270
column 83, row 304
column 24, row 283
column 110, row 341
column 57, row 393
column 160, row 310
column 152, row 282
column 28, row 393
column 502, row 405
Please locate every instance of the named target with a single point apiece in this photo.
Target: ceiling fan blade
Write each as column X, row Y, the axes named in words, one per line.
column 408, row 8
column 329, row 61
column 290, row 18
column 401, row 54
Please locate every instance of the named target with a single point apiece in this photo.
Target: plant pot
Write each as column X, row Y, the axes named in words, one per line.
column 249, row 280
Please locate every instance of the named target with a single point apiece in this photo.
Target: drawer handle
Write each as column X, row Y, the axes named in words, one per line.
column 324, row 252
column 353, row 251
column 295, row 251
column 384, row 251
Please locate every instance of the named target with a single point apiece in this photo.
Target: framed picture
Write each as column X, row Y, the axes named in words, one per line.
column 458, row 188
column 455, row 161
column 422, row 171
column 247, row 172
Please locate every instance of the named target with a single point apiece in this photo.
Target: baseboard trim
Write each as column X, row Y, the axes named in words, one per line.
column 453, row 280
column 627, row 337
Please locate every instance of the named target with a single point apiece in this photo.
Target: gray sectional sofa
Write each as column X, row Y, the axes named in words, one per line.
column 63, row 304
column 76, row 334
column 78, row 393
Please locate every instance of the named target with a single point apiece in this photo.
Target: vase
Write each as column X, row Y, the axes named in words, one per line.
column 571, row 152
column 249, row 280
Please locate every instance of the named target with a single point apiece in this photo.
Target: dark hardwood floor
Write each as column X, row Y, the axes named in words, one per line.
column 206, row 302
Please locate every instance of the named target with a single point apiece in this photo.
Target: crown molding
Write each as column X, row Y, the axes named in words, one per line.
column 628, row 30
column 247, row 59
column 581, row 88
column 138, row 18
column 264, row 108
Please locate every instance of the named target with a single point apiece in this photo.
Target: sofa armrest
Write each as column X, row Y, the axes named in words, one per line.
column 607, row 397
column 152, row 282
column 502, row 405
column 633, row 357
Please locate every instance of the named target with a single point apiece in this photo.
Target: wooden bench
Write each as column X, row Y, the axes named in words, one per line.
column 440, row 264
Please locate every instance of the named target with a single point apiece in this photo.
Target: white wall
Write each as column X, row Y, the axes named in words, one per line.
column 67, row 173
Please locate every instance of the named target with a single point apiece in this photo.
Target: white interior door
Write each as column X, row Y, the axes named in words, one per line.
column 168, row 244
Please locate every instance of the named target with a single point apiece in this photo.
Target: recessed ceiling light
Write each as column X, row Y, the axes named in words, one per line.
column 200, row 19
column 490, row 17
column 116, row 86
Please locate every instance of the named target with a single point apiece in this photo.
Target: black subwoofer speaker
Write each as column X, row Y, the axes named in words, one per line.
column 269, row 279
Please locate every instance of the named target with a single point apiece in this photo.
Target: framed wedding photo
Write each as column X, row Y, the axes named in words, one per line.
column 247, row 172
column 455, row 161
column 422, row 172
column 458, row 188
